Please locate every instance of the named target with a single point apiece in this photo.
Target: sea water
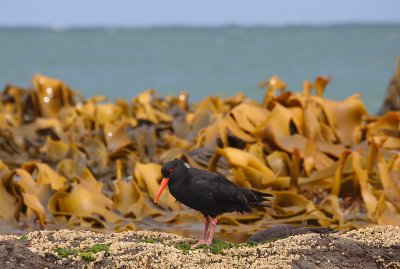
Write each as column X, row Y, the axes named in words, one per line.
column 119, row 63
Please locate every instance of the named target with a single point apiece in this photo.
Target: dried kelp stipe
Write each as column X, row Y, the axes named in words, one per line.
column 82, row 163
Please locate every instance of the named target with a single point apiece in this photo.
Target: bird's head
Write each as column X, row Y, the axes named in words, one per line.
column 170, row 171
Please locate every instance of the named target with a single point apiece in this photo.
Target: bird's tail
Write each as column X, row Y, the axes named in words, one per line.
column 258, row 198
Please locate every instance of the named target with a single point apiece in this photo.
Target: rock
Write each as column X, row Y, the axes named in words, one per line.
column 392, row 99
column 372, row 247
column 285, row 230
column 346, row 253
column 14, row 254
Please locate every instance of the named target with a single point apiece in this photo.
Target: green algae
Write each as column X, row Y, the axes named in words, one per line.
column 86, row 254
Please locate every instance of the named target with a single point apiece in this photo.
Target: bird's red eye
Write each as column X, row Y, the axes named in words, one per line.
column 171, row 170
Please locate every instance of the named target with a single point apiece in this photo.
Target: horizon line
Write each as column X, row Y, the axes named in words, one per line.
column 191, row 26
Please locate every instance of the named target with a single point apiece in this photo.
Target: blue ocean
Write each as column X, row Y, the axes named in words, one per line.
column 119, row 63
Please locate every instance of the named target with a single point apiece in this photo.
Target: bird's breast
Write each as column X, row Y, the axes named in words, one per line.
column 176, row 190
column 182, row 194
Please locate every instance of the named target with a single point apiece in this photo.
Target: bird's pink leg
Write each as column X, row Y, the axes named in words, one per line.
column 206, row 224
column 213, row 224
column 202, row 239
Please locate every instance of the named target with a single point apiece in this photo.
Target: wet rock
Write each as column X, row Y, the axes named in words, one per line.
column 285, row 230
column 14, row 254
column 347, row 253
column 392, row 99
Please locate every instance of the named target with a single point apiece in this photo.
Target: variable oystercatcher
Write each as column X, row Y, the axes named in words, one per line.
column 207, row 192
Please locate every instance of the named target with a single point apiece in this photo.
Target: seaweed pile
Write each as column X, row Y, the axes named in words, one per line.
column 87, row 164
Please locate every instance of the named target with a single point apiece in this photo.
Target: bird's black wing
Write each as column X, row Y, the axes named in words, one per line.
column 212, row 188
column 226, row 192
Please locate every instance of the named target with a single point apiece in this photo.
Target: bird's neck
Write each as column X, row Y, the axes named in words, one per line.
column 177, row 185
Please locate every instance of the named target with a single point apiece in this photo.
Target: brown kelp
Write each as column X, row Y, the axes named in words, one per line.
column 82, row 163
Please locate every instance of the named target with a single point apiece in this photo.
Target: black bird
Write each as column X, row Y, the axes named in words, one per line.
column 207, row 192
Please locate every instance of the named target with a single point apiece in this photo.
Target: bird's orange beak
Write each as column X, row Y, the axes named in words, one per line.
column 164, row 183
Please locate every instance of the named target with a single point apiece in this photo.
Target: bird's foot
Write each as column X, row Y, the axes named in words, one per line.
column 200, row 242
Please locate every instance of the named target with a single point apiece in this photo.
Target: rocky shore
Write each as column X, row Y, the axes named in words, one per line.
column 372, row 247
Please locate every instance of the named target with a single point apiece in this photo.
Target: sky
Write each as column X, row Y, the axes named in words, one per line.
column 92, row 13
